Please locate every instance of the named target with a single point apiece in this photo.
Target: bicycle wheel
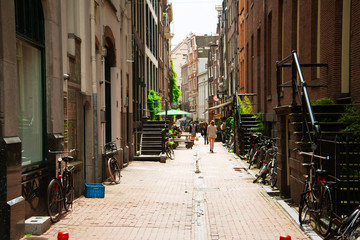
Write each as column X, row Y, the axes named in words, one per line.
column 261, row 174
column 68, row 184
column 170, row 153
column 114, row 170
column 273, row 176
column 250, row 154
column 54, row 200
column 326, row 212
column 257, row 178
column 260, row 157
column 252, row 160
column 355, row 231
column 304, row 206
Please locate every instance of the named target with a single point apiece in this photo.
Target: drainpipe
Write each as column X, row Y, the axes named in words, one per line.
column 94, row 87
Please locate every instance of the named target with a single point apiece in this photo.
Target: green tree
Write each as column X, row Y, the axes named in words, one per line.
column 154, row 104
column 175, row 91
column 245, row 106
column 351, row 116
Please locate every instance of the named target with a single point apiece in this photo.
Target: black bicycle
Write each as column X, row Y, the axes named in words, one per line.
column 268, row 171
column 316, row 203
column 110, row 150
column 347, row 228
column 60, row 192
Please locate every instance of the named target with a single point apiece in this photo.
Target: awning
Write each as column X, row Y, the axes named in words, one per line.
column 220, row 105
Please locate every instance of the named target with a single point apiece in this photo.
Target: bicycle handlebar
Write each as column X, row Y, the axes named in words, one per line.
column 311, row 154
column 117, row 138
column 62, row 152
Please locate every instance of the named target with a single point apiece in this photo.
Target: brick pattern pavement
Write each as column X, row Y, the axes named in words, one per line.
column 170, row 201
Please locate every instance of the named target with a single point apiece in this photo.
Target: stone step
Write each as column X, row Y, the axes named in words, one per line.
column 154, row 157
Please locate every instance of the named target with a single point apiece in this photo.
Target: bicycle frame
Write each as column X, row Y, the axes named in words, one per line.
column 60, row 190
column 317, row 196
column 254, row 139
column 344, row 227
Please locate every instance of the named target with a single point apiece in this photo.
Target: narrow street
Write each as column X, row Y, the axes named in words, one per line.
column 170, row 201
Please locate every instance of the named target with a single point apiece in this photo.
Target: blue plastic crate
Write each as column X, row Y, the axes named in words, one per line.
column 94, row 190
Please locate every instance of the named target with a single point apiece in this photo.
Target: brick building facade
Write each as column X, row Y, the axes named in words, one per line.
column 320, row 32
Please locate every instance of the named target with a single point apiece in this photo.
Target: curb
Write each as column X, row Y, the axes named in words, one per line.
column 292, row 213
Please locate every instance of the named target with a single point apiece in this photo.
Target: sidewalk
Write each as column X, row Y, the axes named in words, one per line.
column 170, row 201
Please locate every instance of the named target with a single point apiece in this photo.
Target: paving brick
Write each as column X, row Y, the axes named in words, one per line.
column 157, row 201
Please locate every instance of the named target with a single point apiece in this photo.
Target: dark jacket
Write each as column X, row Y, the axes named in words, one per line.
column 190, row 128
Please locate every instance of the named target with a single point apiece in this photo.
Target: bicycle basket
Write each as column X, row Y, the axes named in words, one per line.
column 109, row 148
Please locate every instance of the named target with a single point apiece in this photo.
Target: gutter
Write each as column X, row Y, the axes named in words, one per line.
column 94, row 87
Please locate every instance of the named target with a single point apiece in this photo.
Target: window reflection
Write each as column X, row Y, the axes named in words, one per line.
column 30, row 103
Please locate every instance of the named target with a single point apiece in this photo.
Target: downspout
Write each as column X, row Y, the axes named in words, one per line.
column 63, row 76
column 94, row 87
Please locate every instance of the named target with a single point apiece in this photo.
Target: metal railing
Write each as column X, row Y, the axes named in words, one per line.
column 239, row 124
column 303, row 95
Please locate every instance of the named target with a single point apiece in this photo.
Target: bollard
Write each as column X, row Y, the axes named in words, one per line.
column 63, row 236
column 285, row 237
column 197, row 166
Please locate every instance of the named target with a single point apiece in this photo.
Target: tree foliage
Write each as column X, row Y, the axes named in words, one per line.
column 322, row 101
column 154, row 104
column 352, row 117
column 245, row 106
column 175, row 91
column 260, row 128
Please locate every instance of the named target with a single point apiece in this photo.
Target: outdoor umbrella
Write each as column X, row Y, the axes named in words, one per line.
column 185, row 118
column 173, row 112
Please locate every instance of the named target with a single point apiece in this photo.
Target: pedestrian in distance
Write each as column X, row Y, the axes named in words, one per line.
column 206, row 140
column 193, row 129
column 223, row 128
column 212, row 134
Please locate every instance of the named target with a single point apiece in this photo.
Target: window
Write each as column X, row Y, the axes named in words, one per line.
column 30, row 103
column 31, row 124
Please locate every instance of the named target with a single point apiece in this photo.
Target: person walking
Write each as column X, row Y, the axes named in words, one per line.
column 193, row 129
column 223, row 128
column 212, row 134
column 206, row 140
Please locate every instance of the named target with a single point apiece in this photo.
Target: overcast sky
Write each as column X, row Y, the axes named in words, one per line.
column 197, row 16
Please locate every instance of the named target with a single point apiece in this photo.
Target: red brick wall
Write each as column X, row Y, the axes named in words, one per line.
column 257, row 69
column 300, row 34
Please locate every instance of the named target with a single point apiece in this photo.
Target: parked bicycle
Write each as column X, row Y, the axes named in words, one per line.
column 254, row 138
column 268, row 171
column 169, row 150
column 60, row 192
column 110, row 150
column 317, row 197
column 254, row 156
column 230, row 139
column 347, row 228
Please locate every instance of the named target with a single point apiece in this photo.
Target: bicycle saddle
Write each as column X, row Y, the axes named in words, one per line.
column 322, row 173
column 68, row 158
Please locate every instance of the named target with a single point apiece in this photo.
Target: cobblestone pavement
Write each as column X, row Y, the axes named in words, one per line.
column 170, row 201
